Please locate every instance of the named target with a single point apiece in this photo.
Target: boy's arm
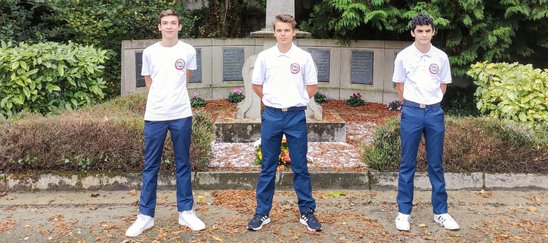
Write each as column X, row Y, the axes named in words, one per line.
column 311, row 90
column 443, row 87
column 148, row 82
column 258, row 89
column 399, row 88
column 188, row 74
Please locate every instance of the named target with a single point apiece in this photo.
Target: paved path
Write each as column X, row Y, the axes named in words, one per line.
column 347, row 216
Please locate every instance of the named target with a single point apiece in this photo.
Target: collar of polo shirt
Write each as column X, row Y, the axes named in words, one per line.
column 420, row 54
column 288, row 53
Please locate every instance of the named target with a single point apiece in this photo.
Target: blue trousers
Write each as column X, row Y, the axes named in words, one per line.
column 415, row 122
column 275, row 123
column 155, row 136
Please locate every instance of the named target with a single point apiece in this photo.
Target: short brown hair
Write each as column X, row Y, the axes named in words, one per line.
column 285, row 18
column 169, row 12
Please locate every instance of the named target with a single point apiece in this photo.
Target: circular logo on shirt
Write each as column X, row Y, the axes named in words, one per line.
column 295, row 68
column 434, row 68
column 180, row 64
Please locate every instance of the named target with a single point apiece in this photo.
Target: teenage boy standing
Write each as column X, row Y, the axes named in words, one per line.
column 167, row 66
column 285, row 78
column 421, row 75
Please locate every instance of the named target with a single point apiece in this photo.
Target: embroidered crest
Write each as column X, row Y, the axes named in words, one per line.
column 434, row 68
column 180, row 64
column 295, row 68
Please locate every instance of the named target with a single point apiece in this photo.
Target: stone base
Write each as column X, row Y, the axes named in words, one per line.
column 250, row 131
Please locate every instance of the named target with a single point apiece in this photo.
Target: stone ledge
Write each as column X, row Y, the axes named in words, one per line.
column 284, row 180
column 249, row 131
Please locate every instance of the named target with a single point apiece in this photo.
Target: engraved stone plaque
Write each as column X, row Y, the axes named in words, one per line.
column 196, row 76
column 361, row 70
column 139, row 79
column 322, row 60
column 233, row 62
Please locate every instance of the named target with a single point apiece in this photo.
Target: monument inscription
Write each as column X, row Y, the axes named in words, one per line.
column 361, row 67
column 196, row 76
column 322, row 60
column 233, row 62
column 139, row 79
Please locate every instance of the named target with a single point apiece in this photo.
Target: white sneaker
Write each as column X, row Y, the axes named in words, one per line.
column 446, row 221
column 142, row 223
column 403, row 222
column 189, row 218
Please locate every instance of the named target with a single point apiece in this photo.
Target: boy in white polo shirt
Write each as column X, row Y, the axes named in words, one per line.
column 285, row 78
column 421, row 75
column 167, row 66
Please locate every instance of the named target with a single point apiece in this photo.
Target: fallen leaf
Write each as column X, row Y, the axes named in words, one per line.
column 94, row 194
column 533, row 209
column 423, row 225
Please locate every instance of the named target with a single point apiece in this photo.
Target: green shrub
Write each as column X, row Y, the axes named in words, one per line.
column 472, row 144
column 384, row 151
column 355, row 100
column 203, row 135
column 320, row 98
column 511, row 91
column 103, row 138
column 49, row 76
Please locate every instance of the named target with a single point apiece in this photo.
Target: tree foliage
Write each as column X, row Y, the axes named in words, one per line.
column 101, row 23
column 468, row 30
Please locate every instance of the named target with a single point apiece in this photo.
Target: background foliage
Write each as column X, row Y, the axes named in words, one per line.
column 101, row 23
column 102, row 138
column 472, row 144
column 47, row 76
column 511, row 91
column 468, row 30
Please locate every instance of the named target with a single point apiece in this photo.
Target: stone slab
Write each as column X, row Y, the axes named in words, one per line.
column 516, row 181
column 249, row 131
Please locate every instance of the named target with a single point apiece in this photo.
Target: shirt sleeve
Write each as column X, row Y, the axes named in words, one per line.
column 399, row 71
column 192, row 63
column 445, row 70
column 310, row 72
column 145, row 60
column 258, row 76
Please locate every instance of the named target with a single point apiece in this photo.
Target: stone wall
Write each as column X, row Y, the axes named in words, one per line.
column 362, row 66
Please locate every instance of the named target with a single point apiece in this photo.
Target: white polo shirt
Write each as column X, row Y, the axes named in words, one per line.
column 284, row 76
column 168, row 97
column 422, row 74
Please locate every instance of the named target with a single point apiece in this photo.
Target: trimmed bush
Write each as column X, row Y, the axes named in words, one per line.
column 49, row 76
column 203, row 134
column 103, row 138
column 472, row 144
column 511, row 91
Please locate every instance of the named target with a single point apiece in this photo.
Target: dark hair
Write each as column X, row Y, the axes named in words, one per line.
column 285, row 18
column 169, row 12
column 421, row 19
